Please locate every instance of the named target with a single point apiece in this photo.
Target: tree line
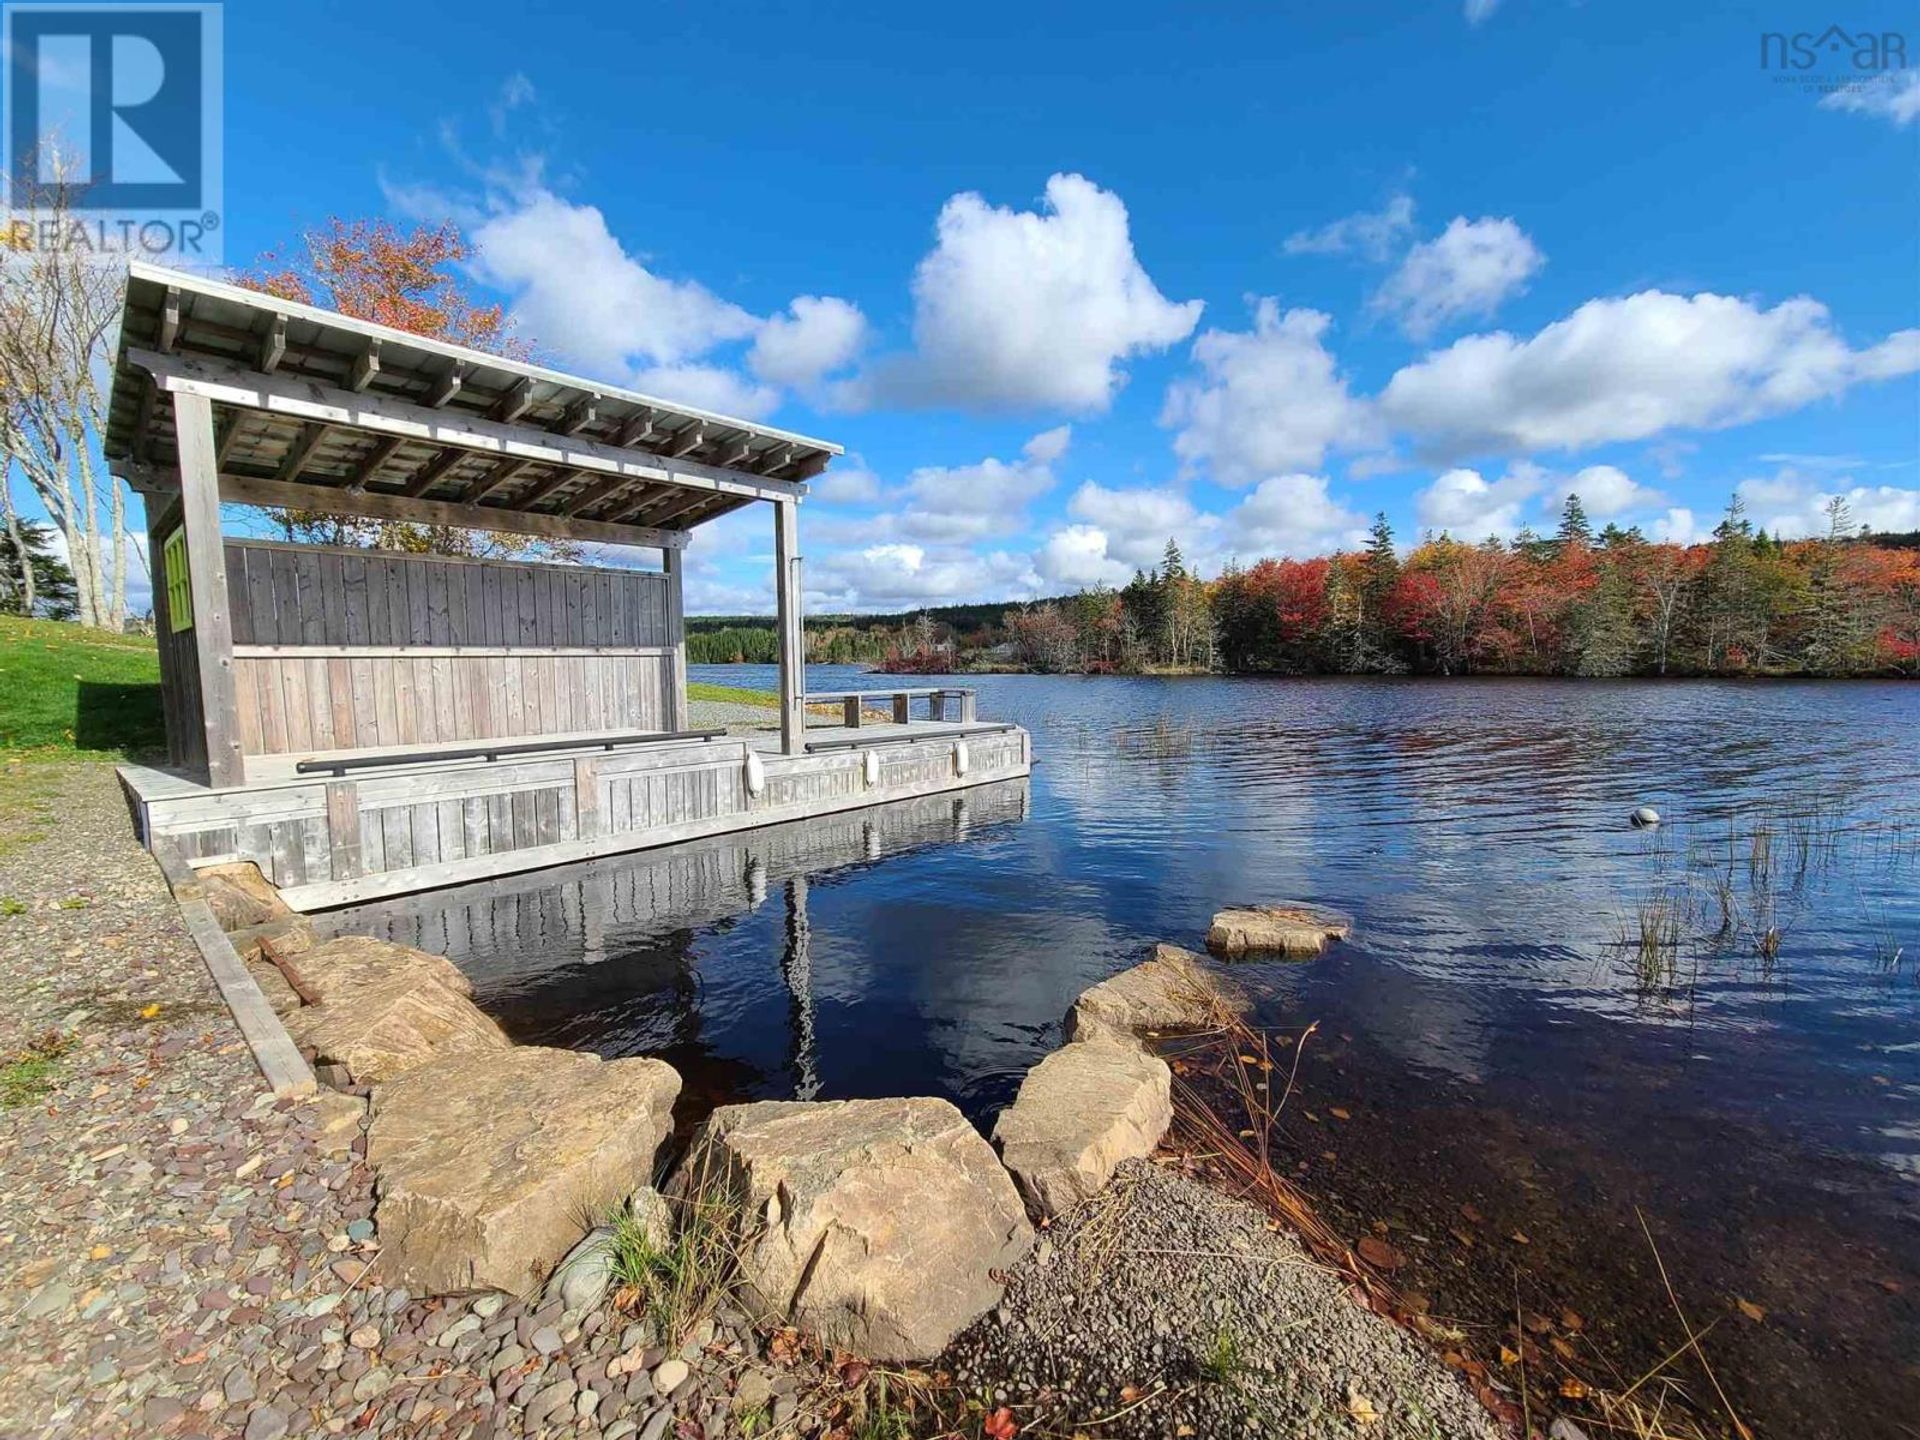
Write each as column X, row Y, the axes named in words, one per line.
column 1576, row 602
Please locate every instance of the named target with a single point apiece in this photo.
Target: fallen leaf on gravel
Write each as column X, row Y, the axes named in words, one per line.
column 148, row 1012
column 1573, row 1388
column 784, row 1346
column 1471, row 1214
column 1338, row 1113
column 1509, row 1356
column 1520, row 1238
column 1130, row 1393
column 1376, row 1251
column 1561, row 1348
column 1571, row 1320
column 1752, row 1311
column 999, row 1425
column 1361, row 1408
column 1536, row 1322
column 1462, row 1236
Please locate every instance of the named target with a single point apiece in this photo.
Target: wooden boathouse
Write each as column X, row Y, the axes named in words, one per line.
column 363, row 723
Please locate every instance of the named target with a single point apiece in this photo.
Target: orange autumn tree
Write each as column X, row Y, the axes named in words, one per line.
column 375, row 271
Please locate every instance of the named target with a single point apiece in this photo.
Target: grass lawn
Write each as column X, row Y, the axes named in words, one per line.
column 766, row 699
column 67, row 691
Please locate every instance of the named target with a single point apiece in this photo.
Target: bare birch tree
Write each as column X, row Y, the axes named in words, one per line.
column 58, row 307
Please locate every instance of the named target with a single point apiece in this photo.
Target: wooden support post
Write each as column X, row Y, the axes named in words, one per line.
column 793, row 645
column 343, row 828
column 902, row 709
column 937, row 706
column 850, row 711
column 968, row 703
column 207, row 573
column 586, row 798
column 674, row 562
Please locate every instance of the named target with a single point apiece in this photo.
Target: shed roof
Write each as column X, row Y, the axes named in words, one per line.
column 310, row 400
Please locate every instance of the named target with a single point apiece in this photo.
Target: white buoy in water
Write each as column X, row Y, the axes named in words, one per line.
column 1645, row 817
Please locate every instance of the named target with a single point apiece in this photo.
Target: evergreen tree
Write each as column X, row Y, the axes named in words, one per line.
column 1383, row 563
column 1575, row 529
column 54, row 594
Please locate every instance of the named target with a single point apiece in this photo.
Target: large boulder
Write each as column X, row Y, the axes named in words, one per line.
column 490, row 1168
column 1079, row 1113
column 385, row 1029
column 878, row 1225
column 1254, row 930
column 1171, row 991
column 239, row 895
column 333, row 968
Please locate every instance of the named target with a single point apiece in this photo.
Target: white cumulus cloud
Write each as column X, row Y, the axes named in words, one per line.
column 1293, row 515
column 1468, row 506
column 577, row 291
column 818, row 335
column 1466, row 270
column 1024, row 309
column 898, row 575
column 1374, row 234
column 1604, row 490
column 1630, row 368
column 1791, row 506
column 948, row 503
column 1268, row 400
column 1893, row 96
column 1077, row 556
column 1137, row 523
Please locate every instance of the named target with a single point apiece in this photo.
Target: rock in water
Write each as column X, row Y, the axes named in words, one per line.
column 1171, row 991
column 1253, row 930
column 877, row 1225
column 1080, row 1112
column 333, row 968
column 1645, row 816
column 489, row 1166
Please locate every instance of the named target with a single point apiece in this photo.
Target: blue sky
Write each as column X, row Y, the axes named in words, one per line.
column 1065, row 280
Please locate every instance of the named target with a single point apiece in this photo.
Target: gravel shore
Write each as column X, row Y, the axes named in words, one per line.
column 180, row 1255
column 1164, row 1308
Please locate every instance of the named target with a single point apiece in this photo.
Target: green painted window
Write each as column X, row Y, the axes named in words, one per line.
column 179, row 586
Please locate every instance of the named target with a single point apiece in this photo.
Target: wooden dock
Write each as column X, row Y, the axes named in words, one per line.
column 368, row 722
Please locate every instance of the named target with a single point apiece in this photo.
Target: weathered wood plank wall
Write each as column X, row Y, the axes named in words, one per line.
column 179, row 657
column 350, row 649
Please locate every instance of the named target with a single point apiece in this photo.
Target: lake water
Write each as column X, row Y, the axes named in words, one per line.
column 1748, row 1084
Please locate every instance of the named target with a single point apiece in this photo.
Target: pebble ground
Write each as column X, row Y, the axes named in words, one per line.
column 181, row 1255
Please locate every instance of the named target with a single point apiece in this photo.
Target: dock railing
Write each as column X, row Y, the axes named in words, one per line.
column 944, row 703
